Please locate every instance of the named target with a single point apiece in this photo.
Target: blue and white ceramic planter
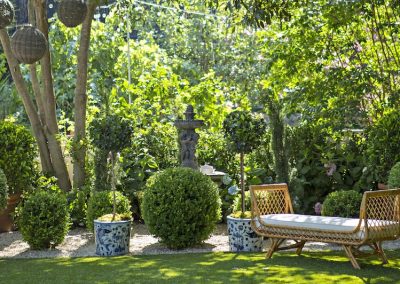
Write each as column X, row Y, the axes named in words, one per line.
column 112, row 238
column 242, row 237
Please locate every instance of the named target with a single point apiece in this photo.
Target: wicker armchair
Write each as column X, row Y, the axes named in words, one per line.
column 272, row 216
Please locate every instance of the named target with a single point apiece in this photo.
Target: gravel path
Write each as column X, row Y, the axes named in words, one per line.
column 80, row 243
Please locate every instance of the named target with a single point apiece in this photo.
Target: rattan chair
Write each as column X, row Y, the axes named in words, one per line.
column 272, row 217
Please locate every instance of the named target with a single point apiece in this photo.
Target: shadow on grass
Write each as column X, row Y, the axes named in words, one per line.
column 319, row 267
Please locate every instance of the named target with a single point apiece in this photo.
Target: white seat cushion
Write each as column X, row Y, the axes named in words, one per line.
column 311, row 222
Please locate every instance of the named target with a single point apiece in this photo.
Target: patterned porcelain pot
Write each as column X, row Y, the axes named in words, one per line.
column 242, row 237
column 112, row 238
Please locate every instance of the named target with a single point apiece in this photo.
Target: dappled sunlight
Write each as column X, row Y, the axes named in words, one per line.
column 315, row 267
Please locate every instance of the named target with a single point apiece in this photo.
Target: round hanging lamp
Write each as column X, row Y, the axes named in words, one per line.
column 72, row 12
column 6, row 13
column 28, row 44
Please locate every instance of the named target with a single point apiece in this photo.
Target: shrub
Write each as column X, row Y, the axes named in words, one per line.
column 17, row 156
column 342, row 204
column 77, row 205
column 44, row 219
column 3, row 190
column 383, row 149
column 181, row 207
column 101, row 203
column 394, row 176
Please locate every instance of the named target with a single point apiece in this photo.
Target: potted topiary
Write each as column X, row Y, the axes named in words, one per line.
column 17, row 160
column 112, row 133
column 244, row 133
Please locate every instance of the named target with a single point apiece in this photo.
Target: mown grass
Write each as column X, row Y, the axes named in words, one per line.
column 312, row 267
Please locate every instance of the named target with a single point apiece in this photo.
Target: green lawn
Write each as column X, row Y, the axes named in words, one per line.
column 313, row 267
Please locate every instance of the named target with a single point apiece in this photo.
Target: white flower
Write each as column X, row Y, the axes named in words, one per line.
column 233, row 189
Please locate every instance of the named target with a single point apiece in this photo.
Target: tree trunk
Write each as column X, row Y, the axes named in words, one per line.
column 51, row 128
column 242, row 182
column 26, row 100
column 79, row 155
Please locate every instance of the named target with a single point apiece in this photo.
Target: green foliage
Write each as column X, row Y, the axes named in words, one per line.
column 243, row 131
column 323, row 161
column 394, row 176
column 111, row 132
column 3, row 190
column 101, row 203
column 181, row 207
column 17, row 156
column 383, row 151
column 108, row 133
column 77, row 205
column 44, row 219
column 342, row 203
column 237, row 205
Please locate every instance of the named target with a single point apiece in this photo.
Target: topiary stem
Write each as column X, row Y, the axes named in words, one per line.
column 242, row 181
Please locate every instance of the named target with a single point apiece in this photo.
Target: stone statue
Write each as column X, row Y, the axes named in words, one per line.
column 188, row 138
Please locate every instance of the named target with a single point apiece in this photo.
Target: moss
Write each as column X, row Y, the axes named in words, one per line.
column 118, row 217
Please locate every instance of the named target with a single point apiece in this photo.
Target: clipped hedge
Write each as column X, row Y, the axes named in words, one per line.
column 44, row 219
column 342, row 204
column 17, row 156
column 101, row 203
column 181, row 206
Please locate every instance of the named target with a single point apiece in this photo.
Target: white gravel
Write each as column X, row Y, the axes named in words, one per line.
column 80, row 243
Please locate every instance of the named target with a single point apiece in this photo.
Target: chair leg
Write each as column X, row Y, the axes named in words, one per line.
column 380, row 252
column 350, row 255
column 300, row 247
column 274, row 245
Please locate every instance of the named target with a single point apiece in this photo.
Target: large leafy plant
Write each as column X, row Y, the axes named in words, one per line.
column 244, row 133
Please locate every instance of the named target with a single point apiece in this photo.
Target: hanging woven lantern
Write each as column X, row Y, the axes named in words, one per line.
column 28, row 44
column 72, row 12
column 6, row 13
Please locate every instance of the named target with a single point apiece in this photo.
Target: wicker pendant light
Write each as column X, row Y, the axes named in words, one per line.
column 72, row 12
column 6, row 13
column 28, row 44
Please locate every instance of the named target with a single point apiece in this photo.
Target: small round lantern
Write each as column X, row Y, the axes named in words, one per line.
column 28, row 44
column 6, row 13
column 72, row 12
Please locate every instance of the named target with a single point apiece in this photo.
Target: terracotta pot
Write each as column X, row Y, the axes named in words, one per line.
column 382, row 186
column 6, row 219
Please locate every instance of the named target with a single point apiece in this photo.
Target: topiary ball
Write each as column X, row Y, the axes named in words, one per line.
column 101, row 203
column 6, row 13
column 72, row 12
column 181, row 206
column 28, row 44
column 394, row 176
column 3, row 190
column 44, row 219
column 342, row 204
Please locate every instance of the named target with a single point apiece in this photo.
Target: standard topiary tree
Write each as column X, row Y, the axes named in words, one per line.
column 244, row 133
column 181, row 206
column 342, row 203
column 44, row 219
column 101, row 203
column 394, row 176
column 3, row 190
column 110, row 133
